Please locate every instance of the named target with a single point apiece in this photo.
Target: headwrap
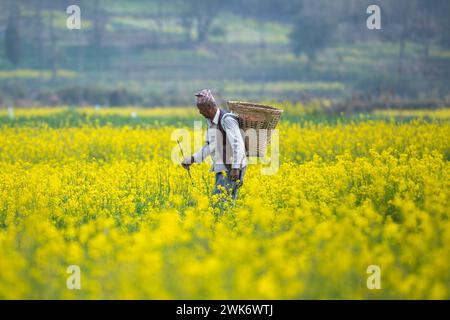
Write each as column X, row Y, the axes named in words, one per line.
column 205, row 97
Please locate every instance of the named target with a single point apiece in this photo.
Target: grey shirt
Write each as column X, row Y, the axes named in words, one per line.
column 234, row 137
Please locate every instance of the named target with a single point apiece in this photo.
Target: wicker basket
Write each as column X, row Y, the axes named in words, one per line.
column 256, row 116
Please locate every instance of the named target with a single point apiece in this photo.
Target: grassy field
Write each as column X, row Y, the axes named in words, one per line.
column 145, row 53
column 98, row 189
column 167, row 76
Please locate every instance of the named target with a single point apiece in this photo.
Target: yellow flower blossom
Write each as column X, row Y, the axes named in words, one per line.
column 109, row 199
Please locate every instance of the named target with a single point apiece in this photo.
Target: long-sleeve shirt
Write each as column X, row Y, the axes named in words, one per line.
column 235, row 141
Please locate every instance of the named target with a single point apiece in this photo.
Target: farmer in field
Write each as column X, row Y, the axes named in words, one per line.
column 224, row 143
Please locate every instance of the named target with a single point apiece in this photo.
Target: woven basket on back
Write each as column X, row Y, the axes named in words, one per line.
column 257, row 117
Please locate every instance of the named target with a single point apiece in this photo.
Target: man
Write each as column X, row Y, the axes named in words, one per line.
column 224, row 143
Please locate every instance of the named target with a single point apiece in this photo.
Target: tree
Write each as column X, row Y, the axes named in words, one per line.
column 431, row 23
column 12, row 35
column 53, row 49
column 38, row 27
column 99, row 19
column 424, row 29
column 313, row 29
column 309, row 36
column 443, row 22
column 201, row 14
column 403, row 7
column 418, row 21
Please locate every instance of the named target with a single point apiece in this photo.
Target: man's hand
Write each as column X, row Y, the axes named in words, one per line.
column 234, row 175
column 187, row 162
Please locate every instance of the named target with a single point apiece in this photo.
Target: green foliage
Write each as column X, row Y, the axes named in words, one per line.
column 150, row 52
column 310, row 35
column 12, row 36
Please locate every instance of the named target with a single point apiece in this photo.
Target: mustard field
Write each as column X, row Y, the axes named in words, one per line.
column 107, row 197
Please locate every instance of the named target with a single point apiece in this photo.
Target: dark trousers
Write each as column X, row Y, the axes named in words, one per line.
column 224, row 183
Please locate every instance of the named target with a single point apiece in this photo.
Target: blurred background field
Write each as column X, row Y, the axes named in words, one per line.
column 157, row 53
column 184, row 116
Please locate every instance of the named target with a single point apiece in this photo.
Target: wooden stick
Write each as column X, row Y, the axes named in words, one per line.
column 188, row 169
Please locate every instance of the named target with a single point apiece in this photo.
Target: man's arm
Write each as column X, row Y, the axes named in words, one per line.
column 231, row 127
column 196, row 157
column 201, row 154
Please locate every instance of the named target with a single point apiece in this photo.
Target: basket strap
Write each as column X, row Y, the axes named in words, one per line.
column 229, row 114
column 223, row 114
